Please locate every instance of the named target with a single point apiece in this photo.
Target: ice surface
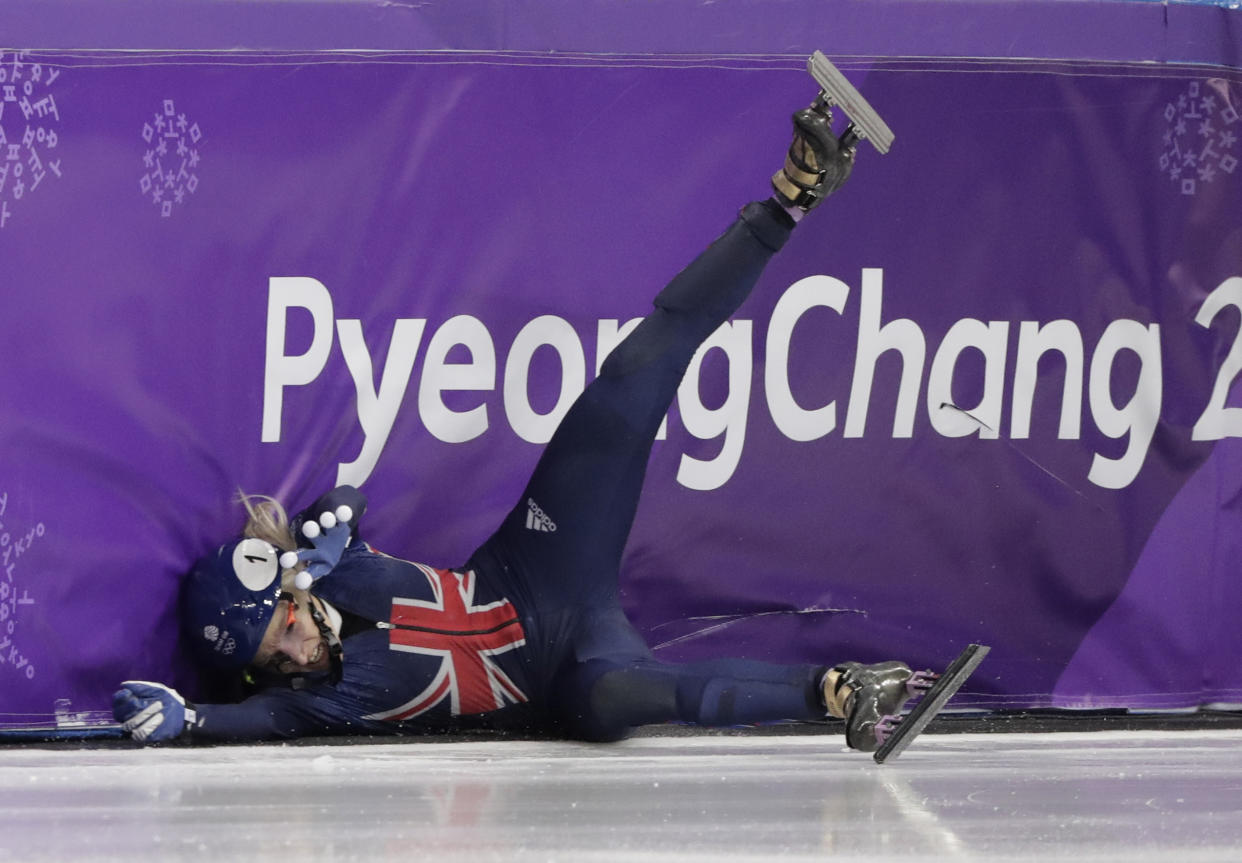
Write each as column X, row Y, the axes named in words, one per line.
column 1133, row 796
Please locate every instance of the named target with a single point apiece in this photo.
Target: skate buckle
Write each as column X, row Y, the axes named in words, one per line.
column 921, row 681
column 885, row 727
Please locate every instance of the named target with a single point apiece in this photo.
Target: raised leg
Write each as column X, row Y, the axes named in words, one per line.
column 570, row 526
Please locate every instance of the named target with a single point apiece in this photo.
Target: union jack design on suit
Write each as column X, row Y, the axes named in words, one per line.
column 465, row 637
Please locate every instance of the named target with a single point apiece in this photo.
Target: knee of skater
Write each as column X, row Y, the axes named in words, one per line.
column 627, row 358
column 601, row 719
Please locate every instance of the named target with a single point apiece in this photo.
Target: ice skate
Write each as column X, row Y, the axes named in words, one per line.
column 863, row 695
column 870, row 699
column 835, row 89
column 896, row 732
column 818, row 161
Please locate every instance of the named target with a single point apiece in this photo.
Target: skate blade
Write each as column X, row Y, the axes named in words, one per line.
column 927, row 708
column 866, row 122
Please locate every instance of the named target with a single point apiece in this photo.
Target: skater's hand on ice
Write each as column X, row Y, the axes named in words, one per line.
column 151, row 712
column 328, row 537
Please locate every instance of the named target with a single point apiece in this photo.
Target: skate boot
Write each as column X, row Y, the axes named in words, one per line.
column 817, row 163
column 868, row 697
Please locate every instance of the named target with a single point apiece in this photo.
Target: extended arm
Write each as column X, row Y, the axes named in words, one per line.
column 154, row 713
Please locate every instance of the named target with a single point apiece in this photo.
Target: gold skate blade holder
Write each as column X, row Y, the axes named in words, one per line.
column 864, row 121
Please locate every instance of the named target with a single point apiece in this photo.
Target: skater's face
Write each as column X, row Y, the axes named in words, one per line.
column 293, row 643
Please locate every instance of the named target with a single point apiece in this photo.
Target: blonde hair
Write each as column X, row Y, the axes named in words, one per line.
column 267, row 520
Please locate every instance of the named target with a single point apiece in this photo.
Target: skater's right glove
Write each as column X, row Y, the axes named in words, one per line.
column 151, row 712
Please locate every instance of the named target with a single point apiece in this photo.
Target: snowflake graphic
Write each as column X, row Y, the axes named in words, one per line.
column 171, row 162
column 1200, row 135
column 28, row 129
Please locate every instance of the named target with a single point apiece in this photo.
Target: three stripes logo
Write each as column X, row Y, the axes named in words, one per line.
column 537, row 519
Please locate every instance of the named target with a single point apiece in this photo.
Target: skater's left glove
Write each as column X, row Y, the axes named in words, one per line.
column 151, row 712
column 328, row 536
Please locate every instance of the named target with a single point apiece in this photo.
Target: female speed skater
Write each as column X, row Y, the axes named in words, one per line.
column 529, row 634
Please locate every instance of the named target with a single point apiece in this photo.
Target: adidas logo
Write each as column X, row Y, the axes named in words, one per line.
column 537, row 519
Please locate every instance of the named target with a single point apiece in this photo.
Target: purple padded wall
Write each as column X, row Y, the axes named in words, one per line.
column 986, row 394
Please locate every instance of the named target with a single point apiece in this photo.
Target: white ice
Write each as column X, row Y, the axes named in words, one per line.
column 1132, row 796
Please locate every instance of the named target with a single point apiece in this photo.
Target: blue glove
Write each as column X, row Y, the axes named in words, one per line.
column 151, row 712
column 328, row 536
column 326, row 550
